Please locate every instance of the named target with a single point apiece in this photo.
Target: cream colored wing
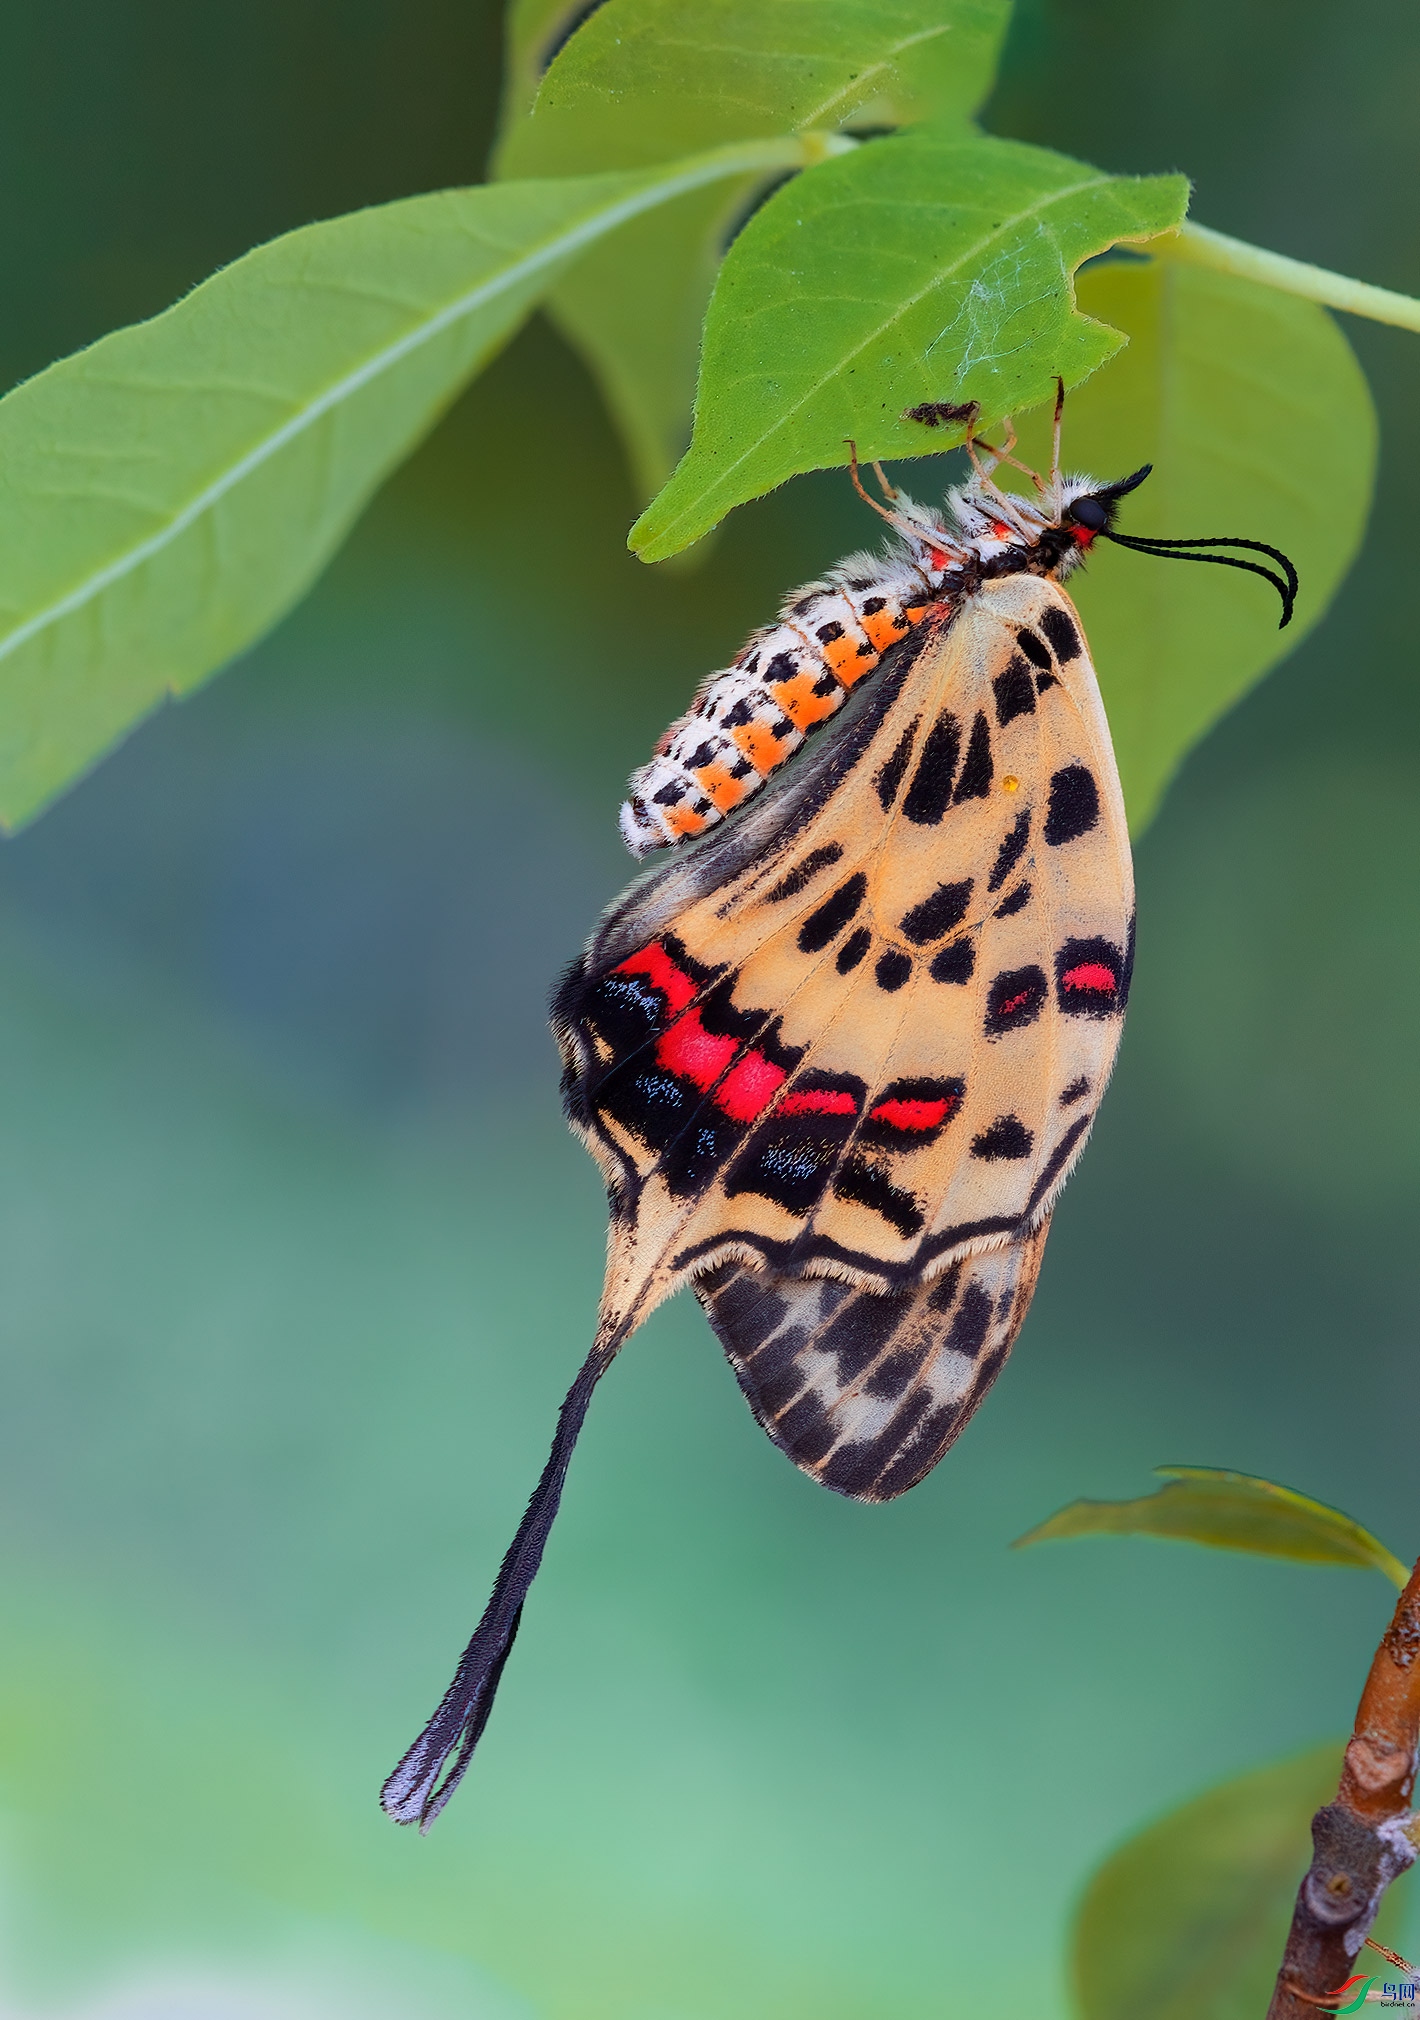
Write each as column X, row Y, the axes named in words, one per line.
column 861, row 1032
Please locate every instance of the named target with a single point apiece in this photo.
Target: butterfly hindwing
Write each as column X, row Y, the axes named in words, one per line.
column 859, row 1034
column 863, row 1389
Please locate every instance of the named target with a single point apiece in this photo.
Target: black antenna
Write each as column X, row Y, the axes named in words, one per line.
column 1171, row 550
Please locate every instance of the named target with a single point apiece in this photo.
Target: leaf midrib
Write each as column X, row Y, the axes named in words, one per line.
column 645, row 195
column 787, row 414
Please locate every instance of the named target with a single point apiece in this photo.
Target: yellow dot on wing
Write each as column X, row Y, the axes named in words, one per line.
column 1010, row 784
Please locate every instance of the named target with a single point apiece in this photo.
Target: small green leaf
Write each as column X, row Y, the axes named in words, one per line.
column 923, row 267
column 1229, row 1511
column 645, row 80
column 1187, row 1920
column 641, row 78
column 168, row 493
column 1256, row 416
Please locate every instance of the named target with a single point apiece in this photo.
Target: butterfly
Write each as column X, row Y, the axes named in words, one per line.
column 837, row 1055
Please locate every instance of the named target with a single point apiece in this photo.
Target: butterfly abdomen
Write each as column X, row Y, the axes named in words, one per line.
column 746, row 721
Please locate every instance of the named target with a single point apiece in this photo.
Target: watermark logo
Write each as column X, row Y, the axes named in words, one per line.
column 1356, row 1993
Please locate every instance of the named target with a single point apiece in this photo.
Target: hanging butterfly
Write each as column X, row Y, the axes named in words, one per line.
column 837, row 1059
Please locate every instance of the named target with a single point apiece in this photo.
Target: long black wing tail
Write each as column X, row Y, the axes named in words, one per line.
column 414, row 1793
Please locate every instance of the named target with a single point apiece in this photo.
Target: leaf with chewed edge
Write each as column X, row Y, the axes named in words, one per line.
column 1187, row 1919
column 645, row 80
column 1229, row 1511
column 926, row 266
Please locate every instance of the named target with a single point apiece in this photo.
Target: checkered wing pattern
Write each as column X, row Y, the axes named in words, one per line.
column 837, row 1059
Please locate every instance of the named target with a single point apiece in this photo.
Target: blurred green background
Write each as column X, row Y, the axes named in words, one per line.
column 296, row 1258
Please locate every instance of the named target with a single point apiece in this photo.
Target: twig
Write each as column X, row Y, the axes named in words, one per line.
column 1199, row 247
column 1361, row 1842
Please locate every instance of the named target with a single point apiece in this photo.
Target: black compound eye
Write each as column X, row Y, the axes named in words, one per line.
column 1089, row 513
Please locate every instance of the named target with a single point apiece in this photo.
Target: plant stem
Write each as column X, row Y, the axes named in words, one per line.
column 1199, row 247
column 1362, row 1840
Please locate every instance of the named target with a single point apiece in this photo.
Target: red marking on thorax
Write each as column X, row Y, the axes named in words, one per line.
column 661, row 971
column 819, row 1101
column 1083, row 535
column 1090, row 975
column 913, row 1114
column 936, row 557
column 1000, row 530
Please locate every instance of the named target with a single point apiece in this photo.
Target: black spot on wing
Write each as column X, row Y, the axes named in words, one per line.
column 1045, row 680
column 972, row 1322
column 1075, row 1092
column 956, row 963
column 944, row 1289
column 626, row 1006
column 860, row 1331
column 808, row 1430
column 888, row 777
column 930, row 792
column 1056, row 1161
column 1007, row 1138
column 892, row 970
column 1010, row 851
column 1091, row 978
column 829, row 919
column 866, row 1184
column 937, row 915
column 1014, row 901
column 790, row 885
column 1014, row 689
column 976, row 773
column 853, row 950
column 1014, row 1000
column 792, row 1154
column 1056, row 625
column 1034, row 647
column 1074, row 805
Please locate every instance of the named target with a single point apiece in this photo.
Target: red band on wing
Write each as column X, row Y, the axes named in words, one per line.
column 702, row 1056
column 913, row 1114
column 657, row 966
column 689, row 1049
column 1090, row 975
column 749, row 1087
column 819, row 1101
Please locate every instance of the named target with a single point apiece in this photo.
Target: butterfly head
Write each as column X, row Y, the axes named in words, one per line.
column 1088, row 509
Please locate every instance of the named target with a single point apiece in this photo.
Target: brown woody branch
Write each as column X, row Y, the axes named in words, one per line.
column 1360, row 1840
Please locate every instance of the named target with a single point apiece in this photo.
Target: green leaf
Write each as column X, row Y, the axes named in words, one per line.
column 1257, row 418
column 923, row 267
column 1187, row 1921
column 1229, row 1511
column 168, row 493
column 646, row 80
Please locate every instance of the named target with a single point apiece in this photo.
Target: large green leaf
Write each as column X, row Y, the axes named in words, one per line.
column 924, row 267
column 168, row 493
column 1187, row 1920
column 645, row 80
column 1256, row 416
column 1229, row 1511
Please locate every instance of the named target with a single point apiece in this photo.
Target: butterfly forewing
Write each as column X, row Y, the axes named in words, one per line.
column 858, row 1038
